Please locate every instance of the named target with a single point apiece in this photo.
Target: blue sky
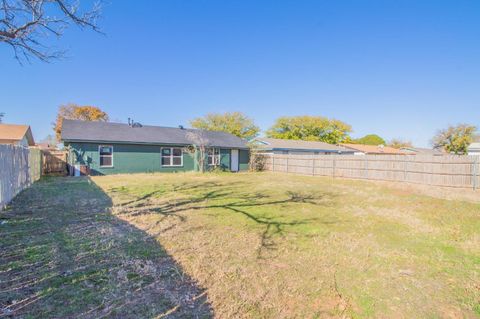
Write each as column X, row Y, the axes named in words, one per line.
column 396, row 68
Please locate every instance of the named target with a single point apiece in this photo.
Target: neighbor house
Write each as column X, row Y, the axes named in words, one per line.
column 422, row 151
column 299, row 147
column 20, row 135
column 362, row 149
column 103, row 148
column 474, row 149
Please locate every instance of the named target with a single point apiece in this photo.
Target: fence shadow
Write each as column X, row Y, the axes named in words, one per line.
column 63, row 254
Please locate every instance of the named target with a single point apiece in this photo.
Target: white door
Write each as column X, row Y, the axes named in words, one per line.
column 234, row 161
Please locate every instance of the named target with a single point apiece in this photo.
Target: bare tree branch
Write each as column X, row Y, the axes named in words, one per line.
column 199, row 147
column 25, row 23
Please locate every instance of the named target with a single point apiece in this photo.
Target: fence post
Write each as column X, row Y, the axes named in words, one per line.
column 273, row 162
column 475, row 172
column 365, row 166
column 313, row 165
column 287, row 161
column 334, row 165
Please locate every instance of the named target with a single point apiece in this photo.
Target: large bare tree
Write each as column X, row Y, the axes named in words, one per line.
column 26, row 24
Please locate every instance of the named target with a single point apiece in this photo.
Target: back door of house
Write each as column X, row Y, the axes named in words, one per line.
column 234, row 160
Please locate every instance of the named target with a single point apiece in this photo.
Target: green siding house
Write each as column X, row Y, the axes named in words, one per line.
column 103, row 148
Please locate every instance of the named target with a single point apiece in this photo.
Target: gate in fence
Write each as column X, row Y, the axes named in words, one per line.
column 54, row 162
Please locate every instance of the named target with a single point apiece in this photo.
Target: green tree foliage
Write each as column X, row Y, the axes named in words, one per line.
column 310, row 128
column 235, row 123
column 370, row 139
column 399, row 143
column 455, row 139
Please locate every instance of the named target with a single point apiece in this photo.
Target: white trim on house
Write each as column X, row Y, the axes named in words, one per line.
column 234, row 160
column 100, row 156
column 171, row 156
column 474, row 149
column 215, row 156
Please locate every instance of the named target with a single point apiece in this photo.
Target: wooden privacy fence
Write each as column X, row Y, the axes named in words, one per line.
column 19, row 168
column 449, row 171
column 54, row 162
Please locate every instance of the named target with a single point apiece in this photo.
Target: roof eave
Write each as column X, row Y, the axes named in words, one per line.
column 70, row 140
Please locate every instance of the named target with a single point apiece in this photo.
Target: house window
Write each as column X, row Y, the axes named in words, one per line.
column 106, row 155
column 213, row 156
column 172, row 156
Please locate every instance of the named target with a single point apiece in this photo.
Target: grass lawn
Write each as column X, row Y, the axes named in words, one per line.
column 237, row 245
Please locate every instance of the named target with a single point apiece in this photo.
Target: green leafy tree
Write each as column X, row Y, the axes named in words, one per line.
column 399, row 143
column 310, row 128
column 370, row 139
column 455, row 139
column 235, row 123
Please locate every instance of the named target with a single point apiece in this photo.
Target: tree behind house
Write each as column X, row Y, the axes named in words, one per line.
column 370, row 139
column 235, row 123
column 399, row 143
column 77, row 112
column 310, row 128
column 455, row 139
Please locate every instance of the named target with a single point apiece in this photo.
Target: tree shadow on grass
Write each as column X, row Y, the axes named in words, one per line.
column 63, row 254
column 219, row 196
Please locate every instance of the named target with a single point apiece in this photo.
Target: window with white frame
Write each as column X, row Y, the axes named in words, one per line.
column 106, row 155
column 172, row 156
column 213, row 156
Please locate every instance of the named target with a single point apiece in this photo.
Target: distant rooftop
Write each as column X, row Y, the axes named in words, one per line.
column 374, row 149
column 13, row 133
column 474, row 146
column 299, row 145
column 423, row 151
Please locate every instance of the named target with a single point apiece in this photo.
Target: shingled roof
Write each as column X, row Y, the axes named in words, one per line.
column 85, row 131
column 298, row 145
column 11, row 133
column 376, row 150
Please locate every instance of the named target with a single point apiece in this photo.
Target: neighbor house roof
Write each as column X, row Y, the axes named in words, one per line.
column 85, row 131
column 298, row 145
column 474, row 146
column 422, row 151
column 12, row 133
column 374, row 149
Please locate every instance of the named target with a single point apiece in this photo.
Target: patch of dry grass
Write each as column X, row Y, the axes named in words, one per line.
column 237, row 246
column 278, row 246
